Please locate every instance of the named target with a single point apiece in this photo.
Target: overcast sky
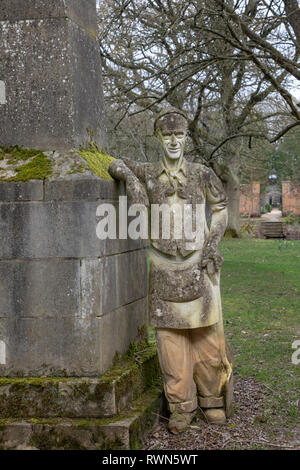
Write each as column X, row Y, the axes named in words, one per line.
column 296, row 90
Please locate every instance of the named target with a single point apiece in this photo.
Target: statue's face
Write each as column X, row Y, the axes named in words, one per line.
column 173, row 143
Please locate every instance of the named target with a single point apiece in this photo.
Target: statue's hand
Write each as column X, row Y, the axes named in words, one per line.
column 118, row 170
column 212, row 259
column 135, row 190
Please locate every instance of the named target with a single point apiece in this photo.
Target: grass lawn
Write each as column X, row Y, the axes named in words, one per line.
column 260, row 284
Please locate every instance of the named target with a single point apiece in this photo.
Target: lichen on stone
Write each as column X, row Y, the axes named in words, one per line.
column 68, row 165
column 19, row 164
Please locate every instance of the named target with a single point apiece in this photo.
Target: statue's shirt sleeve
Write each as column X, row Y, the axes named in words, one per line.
column 133, row 174
column 215, row 192
column 137, row 168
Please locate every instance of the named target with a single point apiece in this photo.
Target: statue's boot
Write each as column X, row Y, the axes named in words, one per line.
column 215, row 415
column 179, row 421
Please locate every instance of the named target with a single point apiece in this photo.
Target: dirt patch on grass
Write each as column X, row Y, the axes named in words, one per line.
column 251, row 427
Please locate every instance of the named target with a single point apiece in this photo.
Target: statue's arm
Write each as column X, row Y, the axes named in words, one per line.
column 118, row 169
column 216, row 196
column 132, row 174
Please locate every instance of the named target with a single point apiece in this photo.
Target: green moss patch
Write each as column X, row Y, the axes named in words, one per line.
column 134, row 359
column 38, row 167
column 97, row 160
column 32, row 381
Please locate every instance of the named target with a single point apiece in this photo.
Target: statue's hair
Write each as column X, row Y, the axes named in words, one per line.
column 164, row 112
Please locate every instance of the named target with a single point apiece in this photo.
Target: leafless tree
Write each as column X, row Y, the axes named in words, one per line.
column 195, row 55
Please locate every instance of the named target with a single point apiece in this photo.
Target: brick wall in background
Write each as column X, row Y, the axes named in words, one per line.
column 250, row 199
column 290, row 198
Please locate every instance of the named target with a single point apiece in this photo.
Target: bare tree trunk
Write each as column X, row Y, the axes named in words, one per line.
column 228, row 172
column 231, row 156
column 232, row 187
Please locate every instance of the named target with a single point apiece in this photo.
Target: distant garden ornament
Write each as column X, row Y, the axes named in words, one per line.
column 184, row 293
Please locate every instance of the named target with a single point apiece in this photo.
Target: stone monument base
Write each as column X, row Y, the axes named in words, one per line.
column 113, row 411
column 70, row 306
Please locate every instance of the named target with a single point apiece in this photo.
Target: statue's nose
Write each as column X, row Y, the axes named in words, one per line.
column 173, row 139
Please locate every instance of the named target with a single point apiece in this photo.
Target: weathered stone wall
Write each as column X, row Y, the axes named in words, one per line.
column 50, row 74
column 250, row 199
column 290, row 198
column 68, row 301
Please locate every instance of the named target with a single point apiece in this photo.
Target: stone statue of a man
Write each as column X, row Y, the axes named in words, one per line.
column 184, row 296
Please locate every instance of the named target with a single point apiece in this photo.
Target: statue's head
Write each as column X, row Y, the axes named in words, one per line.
column 170, row 127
